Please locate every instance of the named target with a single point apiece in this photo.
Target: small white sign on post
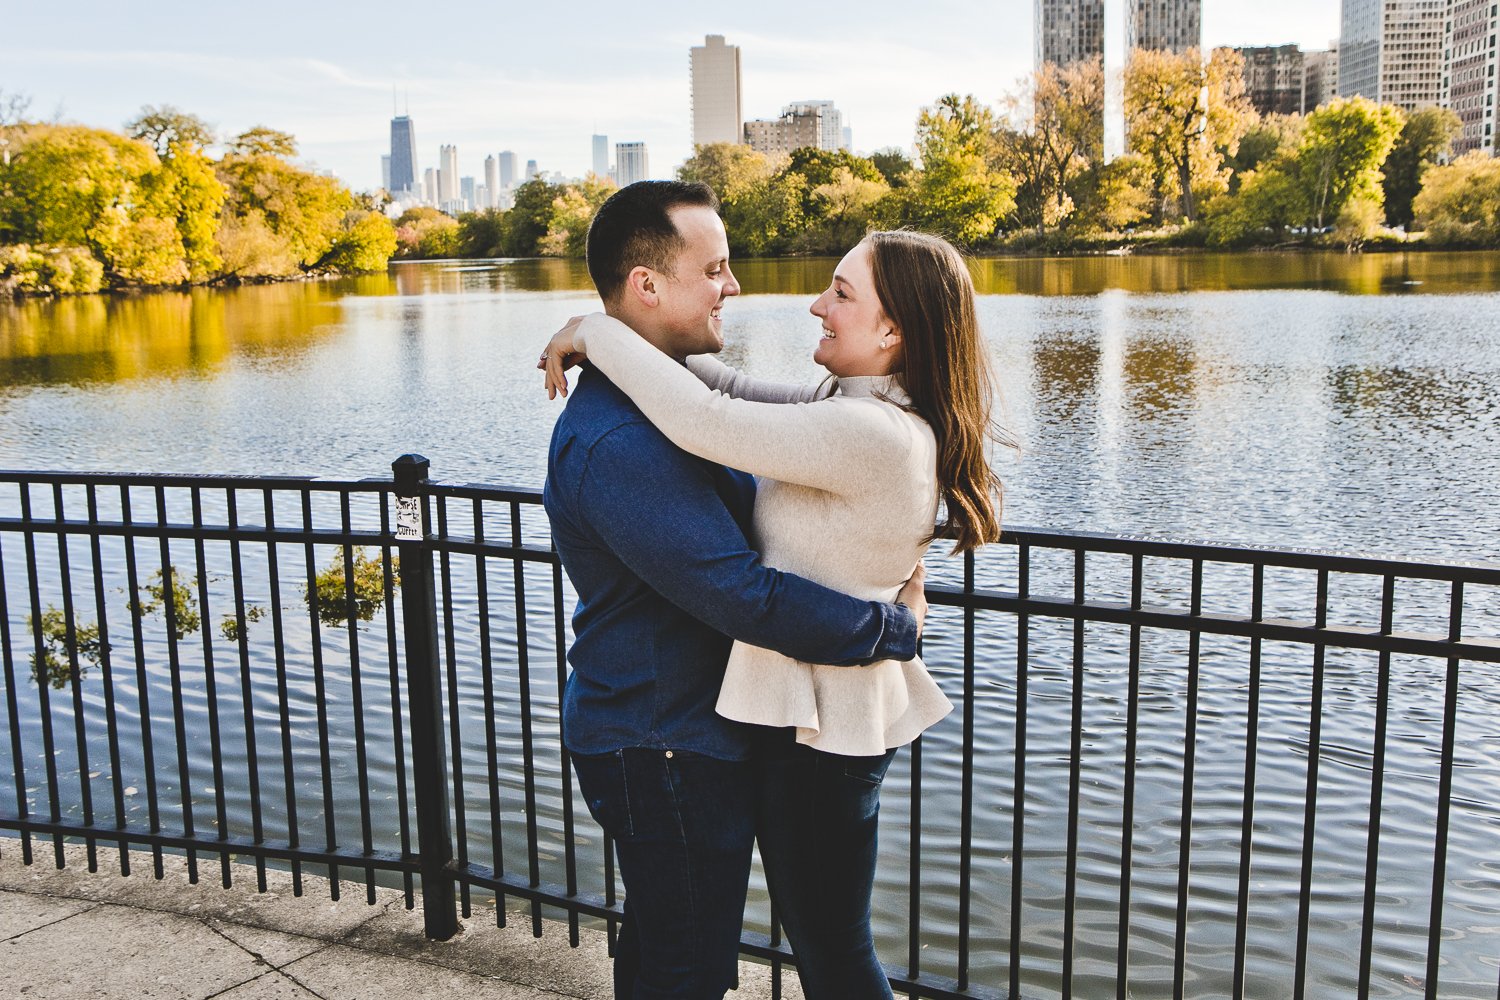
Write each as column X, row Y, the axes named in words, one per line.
column 408, row 519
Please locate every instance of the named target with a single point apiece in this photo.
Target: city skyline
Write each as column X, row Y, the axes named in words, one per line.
column 328, row 79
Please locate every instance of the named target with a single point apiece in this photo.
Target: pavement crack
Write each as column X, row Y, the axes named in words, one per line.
column 51, row 923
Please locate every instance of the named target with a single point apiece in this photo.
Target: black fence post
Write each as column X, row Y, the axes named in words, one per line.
column 429, row 765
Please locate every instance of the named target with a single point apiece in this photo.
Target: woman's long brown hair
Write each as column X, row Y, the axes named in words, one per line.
column 927, row 293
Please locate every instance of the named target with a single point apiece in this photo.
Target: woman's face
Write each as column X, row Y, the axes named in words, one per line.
column 858, row 339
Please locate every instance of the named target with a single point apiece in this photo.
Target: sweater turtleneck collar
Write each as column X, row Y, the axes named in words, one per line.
column 888, row 387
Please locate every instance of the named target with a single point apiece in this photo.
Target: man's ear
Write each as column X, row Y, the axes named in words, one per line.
column 640, row 284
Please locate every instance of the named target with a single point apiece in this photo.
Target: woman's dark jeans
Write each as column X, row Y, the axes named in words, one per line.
column 816, row 824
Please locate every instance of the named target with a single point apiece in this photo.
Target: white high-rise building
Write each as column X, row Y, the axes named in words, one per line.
column 507, row 170
column 385, row 171
column 1320, row 77
column 601, row 156
column 447, row 174
column 1469, row 72
column 1392, row 51
column 430, row 186
column 1068, row 31
column 631, row 163
column 718, row 112
column 491, row 182
column 1174, row 25
column 531, row 170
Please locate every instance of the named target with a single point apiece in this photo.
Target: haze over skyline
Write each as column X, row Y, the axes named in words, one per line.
column 537, row 80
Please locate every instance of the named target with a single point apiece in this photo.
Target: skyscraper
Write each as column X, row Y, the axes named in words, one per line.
column 507, row 169
column 718, row 115
column 1174, row 25
column 631, row 163
column 1068, row 31
column 403, row 155
column 447, row 175
column 530, row 169
column 385, row 171
column 1392, row 51
column 491, row 182
column 1273, row 78
column 430, row 186
column 466, row 188
column 601, row 156
column 1469, row 83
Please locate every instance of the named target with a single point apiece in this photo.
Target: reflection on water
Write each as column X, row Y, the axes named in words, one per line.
column 1264, row 399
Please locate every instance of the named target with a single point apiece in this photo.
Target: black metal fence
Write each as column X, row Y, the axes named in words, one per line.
column 1174, row 768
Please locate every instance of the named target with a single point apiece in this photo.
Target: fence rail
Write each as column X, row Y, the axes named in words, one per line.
column 1172, row 768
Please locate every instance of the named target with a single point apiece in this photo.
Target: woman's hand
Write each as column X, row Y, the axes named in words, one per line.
column 913, row 594
column 558, row 356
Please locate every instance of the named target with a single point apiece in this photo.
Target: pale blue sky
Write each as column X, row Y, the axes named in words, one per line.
column 534, row 78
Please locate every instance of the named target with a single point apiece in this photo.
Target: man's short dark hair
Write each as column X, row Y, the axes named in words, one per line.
column 634, row 228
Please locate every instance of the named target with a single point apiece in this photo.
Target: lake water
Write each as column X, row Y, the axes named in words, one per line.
column 1339, row 402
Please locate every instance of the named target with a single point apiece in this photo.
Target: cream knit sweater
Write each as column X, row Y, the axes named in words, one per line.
column 846, row 497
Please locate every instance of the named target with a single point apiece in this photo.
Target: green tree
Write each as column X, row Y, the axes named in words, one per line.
column 164, row 127
column 262, row 141
column 1344, row 143
column 64, row 179
column 847, row 209
column 960, row 192
column 1425, row 139
column 298, row 207
column 731, row 169
column 766, row 218
column 894, row 165
column 365, row 243
column 185, row 190
column 530, row 217
column 1274, row 137
column 572, row 211
column 482, row 233
column 1459, row 204
column 1185, row 116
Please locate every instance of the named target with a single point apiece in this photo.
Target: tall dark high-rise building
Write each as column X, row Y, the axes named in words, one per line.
column 1469, row 82
column 403, row 155
column 1069, row 31
column 1173, row 25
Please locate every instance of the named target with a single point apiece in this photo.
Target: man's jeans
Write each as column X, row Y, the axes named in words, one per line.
column 817, row 833
column 683, row 825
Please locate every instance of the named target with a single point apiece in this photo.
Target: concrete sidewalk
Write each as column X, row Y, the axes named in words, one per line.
column 71, row 934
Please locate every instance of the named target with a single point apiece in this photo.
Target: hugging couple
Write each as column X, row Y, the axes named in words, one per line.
column 747, row 558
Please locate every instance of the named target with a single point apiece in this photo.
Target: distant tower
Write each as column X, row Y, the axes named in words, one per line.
column 531, row 170
column 403, row 155
column 466, row 188
column 447, row 175
column 430, row 186
column 385, row 172
column 1392, row 50
column 507, row 169
column 1068, row 31
column 491, row 182
column 718, row 113
column 631, row 163
column 1174, row 25
column 601, row 156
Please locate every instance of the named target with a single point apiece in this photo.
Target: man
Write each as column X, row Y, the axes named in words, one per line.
column 654, row 541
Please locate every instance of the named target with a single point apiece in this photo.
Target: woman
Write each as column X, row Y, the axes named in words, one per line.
column 851, row 474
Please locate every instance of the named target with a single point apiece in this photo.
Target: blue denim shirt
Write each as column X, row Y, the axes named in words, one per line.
column 654, row 540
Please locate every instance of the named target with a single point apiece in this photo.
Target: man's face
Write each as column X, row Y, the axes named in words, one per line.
column 687, row 315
